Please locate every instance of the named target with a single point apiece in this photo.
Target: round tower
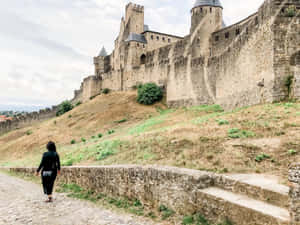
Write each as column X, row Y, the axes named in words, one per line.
column 207, row 11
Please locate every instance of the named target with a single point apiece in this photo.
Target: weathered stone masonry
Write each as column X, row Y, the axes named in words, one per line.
column 294, row 177
column 244, row 64
column 182, row 190
column 27, row 119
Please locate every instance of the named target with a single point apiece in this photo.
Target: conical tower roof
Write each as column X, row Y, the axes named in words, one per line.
column 215, row 3
column 103, row 52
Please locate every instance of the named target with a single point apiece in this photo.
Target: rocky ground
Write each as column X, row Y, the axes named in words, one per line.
column 22, row 202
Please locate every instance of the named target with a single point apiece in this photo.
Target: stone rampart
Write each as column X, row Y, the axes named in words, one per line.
column 27, row 119
column 294, row 178
column 185, row 191
column 152, row 185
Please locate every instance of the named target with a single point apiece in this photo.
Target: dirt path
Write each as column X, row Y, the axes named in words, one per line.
column 21, row 203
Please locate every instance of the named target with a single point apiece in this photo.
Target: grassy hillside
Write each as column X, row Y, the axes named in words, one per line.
column 114, row 129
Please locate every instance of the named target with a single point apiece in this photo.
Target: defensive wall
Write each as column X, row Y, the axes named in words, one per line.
column 27, row 119
column 244, row 64
column 186, row 191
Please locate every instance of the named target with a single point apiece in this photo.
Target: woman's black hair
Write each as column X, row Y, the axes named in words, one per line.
column 51, row 147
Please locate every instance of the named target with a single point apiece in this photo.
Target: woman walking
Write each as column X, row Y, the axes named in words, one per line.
column 50, row 166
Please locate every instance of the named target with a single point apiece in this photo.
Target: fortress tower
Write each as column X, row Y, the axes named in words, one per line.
column 134, row 19
column 207, row 17
column 99, row 62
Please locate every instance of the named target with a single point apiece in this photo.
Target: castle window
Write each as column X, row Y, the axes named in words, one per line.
column 201, row 10
column 237, row 31
column 217, row 38
column 143, row 46
column 169, row 40
column 210, row 10
column 157, row 37
column 227, row 35
column 143, row 59
column 152, row 37
column 256, row 20
column 163, row 39
column 138, row 44
column 247, row 30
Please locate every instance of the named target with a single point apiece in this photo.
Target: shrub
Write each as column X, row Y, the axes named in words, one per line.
column 83, row 139
column 292, row 152
column 70, row 116
column 100, row 135
column 188, row 220
column 78, row 103
column 105, row 91
column 261, row 157
column 29, row 132
column 121, row 121
column 290, row 11
column 222, row 122
column 110, row 132
column 73, row 142
column 149, row 93
column 64, row 107
column 165, row 211
column 93, row 137
column 288, row 83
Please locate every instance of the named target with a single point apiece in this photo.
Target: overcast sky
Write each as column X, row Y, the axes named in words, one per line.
column 47, row 46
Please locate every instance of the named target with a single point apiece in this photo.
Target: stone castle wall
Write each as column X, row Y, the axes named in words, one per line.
column 244, row 64
column 27, row 119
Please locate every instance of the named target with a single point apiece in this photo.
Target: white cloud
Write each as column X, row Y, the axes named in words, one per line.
column 47, row 47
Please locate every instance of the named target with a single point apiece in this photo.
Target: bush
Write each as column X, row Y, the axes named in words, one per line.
column 78, row 103
column 83, row 139
column 149, row 93
column 29, row 132
column 100, row 135
column 222, row 122
column 64, row 107
column 290, row 12
column 73, row 142
column 110, row 132
column 106, row 91
column 261, row 157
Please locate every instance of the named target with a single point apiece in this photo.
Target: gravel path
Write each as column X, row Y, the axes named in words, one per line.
column 22, row 203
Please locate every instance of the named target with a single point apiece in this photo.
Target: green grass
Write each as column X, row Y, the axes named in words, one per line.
column 237, row 133
column 165, row 212
column 198, row 219
column 148, row 124
column 133, row 206
column 222, row 122
column 207, row 108
column 262, row 157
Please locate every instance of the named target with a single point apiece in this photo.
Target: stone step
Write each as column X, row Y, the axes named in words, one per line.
column 240, row 209
column 260, row 187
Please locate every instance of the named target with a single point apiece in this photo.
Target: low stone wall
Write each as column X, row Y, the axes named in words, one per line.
column 182, row 190
column 294, row 178
column 153, row 186
column 27, row 119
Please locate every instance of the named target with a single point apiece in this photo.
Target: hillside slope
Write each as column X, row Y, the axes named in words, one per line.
column 259, row 139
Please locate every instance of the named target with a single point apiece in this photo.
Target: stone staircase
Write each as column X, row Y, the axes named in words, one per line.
column 246, row 199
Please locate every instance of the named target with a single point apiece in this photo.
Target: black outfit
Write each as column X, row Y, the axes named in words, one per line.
column 50, row 164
